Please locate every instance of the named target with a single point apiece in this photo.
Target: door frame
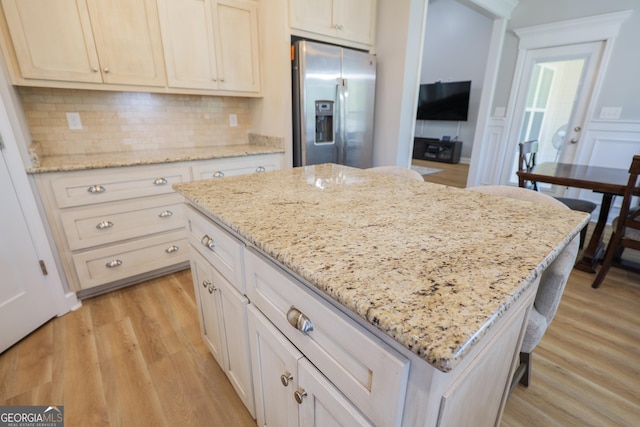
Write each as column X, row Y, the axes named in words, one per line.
column 600, row 28
column 591, row 52
column 604, row 28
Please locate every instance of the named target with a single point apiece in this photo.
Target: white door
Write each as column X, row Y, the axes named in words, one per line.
column 552, row 101
column 26, row 301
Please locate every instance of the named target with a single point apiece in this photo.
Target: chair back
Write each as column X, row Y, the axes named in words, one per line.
column 553, row 279
column 630, row 218
column 526, row 162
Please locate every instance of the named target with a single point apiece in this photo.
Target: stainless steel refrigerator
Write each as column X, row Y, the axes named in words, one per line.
column 333, row 99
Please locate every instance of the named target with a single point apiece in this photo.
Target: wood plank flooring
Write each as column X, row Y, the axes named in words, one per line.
column 453, row 174
column 134, row 357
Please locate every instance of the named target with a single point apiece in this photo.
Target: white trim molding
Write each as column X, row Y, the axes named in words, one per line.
column 600, row 27
column 496, row 8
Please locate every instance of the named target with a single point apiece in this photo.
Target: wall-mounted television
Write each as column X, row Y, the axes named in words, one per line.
column 444, row 101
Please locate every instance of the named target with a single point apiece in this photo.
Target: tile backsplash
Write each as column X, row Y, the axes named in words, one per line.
column 131, row 121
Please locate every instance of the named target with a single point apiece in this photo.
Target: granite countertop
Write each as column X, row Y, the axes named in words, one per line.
column 431, row 266
column 257, row 145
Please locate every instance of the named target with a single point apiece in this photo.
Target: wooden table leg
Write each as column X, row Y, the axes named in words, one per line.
column 594, row 250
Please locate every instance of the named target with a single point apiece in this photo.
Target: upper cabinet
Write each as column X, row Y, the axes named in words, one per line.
column 174, row 46
column 87, row 41
column 211, row 44
column 350, row 20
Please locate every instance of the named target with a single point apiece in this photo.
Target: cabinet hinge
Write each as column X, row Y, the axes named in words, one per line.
column 43, row 267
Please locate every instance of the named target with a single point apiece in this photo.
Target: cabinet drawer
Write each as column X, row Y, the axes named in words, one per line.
column 89, row 188
column 90, row 226
column 236, row 166
column 116, row 262
column 362, row 367
column 222, row 250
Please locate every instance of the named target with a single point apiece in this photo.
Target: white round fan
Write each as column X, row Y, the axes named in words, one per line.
column 557, row 140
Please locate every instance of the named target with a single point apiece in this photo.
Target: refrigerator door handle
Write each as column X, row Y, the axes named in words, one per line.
column 338, row 121
column 341, row 134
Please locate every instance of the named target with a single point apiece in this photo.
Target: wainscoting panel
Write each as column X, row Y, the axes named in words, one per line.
column 613, row 144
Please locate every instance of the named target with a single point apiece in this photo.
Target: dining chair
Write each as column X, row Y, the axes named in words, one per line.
column 626, row 229
column 552, row 282
column 526, row 163
column 398, row 171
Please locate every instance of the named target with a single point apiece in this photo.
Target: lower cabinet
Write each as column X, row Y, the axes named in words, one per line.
column 223, row 322
column 289, row 390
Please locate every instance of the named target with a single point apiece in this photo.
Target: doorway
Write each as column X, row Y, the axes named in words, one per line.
column 551, row 104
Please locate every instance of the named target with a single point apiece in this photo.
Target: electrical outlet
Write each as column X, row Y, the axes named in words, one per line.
column 73, row 120
column 233, row 120
column 610, row 113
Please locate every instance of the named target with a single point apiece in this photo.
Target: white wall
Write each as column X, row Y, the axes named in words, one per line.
column 399, row 38
column 455, row 48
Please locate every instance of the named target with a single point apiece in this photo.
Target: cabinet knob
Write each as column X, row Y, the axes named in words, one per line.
column 285, row 378
column 160, row 181
column 165, row 214
column 96, row 189
column 104, row 225
column 208, row 242
column 299, row 395
column 206, row 283
column 171, row 249
column 218, row 174
column 260, row 169
column 94, row 69
column 114, row 263
column 106, row 70
column 212, row 289
column 299, row 320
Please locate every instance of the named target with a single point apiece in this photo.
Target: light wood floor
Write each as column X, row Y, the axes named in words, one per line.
column 453, row 174
column 135, row 357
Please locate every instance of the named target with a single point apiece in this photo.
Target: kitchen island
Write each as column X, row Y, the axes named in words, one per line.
column 408, row 299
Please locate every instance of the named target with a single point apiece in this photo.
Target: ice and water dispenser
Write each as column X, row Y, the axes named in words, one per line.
column 324, row 122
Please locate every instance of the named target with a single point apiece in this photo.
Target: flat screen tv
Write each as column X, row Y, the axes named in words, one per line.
column 444, row 101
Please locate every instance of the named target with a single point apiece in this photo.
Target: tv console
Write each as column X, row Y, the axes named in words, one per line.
column 437, row 150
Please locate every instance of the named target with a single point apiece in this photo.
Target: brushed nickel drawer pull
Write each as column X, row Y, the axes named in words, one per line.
column 104, row 225
column 218, row 174
column 299, row 320
column 96, row 189
column 208, row 242
column 160, row 181
column 165, row 214
column 286, row 378
column 114, row 263
column 299, row 395
column 171, row 249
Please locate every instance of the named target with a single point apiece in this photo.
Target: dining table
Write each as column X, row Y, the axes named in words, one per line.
column 610, row 182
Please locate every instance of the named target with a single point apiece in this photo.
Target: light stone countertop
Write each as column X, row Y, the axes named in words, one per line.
column 257, row 145
column 431, row 266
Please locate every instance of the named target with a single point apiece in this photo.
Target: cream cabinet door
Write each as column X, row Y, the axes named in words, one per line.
column 211, row 44
column 312, row 15
column 356, row 20
column 321, row 404
column 128, row 41
column 275, row 368
column 189, row 43
column 352, row 20
column 53, row 39
column 210, row 314
column 235, row 24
